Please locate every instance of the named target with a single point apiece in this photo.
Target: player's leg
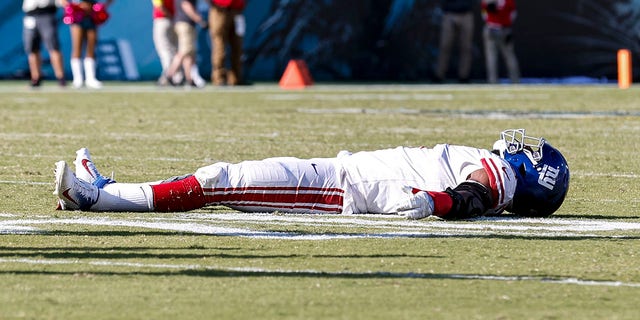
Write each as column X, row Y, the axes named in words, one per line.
column 77, row 194
column 278, row 184
column 275, row 184
column 87, row 189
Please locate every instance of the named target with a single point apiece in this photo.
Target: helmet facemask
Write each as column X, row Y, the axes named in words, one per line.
column 515, row 140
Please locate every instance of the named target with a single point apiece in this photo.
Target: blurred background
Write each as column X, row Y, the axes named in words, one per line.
column 362, row 40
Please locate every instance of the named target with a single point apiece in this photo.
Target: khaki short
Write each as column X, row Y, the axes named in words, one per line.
column 186, row 37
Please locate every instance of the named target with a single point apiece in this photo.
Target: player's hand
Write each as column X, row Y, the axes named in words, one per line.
column 416, row 206
column 204, row 24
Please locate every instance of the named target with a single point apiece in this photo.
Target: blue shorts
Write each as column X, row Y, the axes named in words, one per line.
column 86, row 23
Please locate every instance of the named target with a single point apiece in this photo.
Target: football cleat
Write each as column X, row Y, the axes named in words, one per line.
column 73, row 193
column 87, row 171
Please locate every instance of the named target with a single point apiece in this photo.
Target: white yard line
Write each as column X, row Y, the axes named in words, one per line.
column 484, row 114
column 239, row 224
column 395, row 227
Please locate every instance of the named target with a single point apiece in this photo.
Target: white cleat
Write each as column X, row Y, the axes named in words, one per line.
column 87, row 171
column 199, row 82
column 73, row 193
column 78, row 83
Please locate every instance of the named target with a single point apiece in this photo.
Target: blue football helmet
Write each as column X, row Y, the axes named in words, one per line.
column 541, row 170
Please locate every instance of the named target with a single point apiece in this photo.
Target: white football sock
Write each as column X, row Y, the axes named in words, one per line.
column 125, row 197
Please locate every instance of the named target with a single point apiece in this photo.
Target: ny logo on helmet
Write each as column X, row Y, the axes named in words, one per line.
column 548, row 176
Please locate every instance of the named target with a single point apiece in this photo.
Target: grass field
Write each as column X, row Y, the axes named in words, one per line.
column 215, row 263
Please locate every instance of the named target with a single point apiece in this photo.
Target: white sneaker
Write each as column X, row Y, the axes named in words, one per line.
column 177, row 79
column 73, row 193
column 93, row 84
column 87, row 171
column 199, row 82
column 77, row 83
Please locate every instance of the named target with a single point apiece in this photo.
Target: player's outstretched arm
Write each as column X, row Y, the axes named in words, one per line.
column 469, row 199
column 416, row 205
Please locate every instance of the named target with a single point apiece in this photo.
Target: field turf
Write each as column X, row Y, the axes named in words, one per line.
column 216, row 263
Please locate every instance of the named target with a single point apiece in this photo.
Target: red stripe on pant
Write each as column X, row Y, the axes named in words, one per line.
column 181, row 195
column 274, row 196
column 187, row 194
column 271, row 189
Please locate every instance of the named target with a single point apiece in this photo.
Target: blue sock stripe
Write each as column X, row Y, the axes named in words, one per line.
column 102, row 181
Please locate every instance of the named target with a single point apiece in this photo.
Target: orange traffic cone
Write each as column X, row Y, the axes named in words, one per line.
column 296, row 75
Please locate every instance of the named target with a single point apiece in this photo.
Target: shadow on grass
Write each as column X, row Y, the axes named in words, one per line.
column 280, row 235
column 81, row 254
column 222, row 273
column 179, row 253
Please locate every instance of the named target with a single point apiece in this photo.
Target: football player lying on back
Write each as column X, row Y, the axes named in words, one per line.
column 523, row 175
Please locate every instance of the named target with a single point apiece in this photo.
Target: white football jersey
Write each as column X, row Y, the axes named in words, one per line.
column 375, row 181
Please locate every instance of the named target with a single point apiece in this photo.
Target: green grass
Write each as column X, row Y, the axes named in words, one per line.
column 74, row 265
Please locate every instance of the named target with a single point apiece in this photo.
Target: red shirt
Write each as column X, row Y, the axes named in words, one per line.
column 231, row 4
column 157, row 8
column 503, row 16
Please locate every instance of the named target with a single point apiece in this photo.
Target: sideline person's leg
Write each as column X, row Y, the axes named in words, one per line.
column 165, row 41
column 49, row 30
column 491, row 55
column 91, row 81
column 77, row 38
column 31, row 42
column 218, row 30
column 446, row 45
column 466, row 46
column 236, row 37
column 509, row 54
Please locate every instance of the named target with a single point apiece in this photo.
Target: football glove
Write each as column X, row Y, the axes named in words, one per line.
column 416, row 206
